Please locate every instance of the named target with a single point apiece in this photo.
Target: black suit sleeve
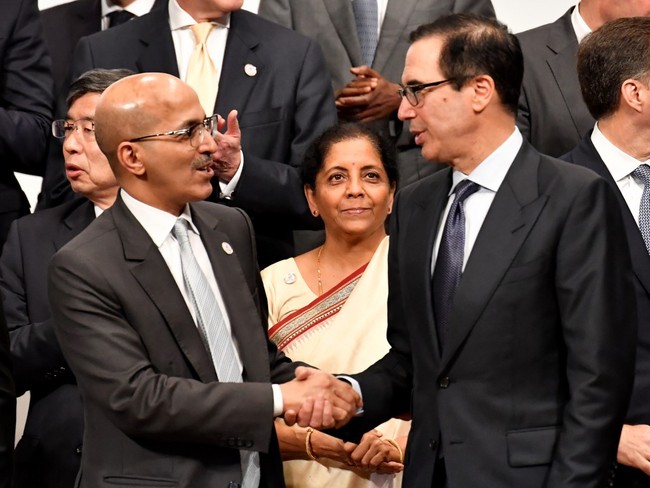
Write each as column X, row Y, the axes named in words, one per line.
column 35, row 351
column 7, row 408
column 27, row 92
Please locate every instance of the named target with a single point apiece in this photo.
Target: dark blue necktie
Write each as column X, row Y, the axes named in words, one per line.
column 642, row 173
column 449, row 263
column 118, row 17
column 366, row 19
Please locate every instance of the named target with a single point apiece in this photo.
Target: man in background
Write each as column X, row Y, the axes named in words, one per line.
column 7, row 407
column 49, row 453
column 614, row 74
column 365, row 42
column 552, row 115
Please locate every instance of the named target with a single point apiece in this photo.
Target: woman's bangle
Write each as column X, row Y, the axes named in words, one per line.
column 399, row 449
column 308, row 449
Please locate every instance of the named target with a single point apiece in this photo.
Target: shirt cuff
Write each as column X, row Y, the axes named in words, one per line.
column 356, row 387
column 226, row 190
column 278, row 401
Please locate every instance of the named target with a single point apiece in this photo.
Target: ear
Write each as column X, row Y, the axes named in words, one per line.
column 634, row 94
column 311, row 200
column 128, row 155
column 391, row 199
column 483, row 91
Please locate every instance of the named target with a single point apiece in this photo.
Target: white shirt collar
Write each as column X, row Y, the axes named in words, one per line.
column 156, row 222
column 580, row 27
column 137, row 8
column 619, row 163
column 491, row 172
column 180, row 19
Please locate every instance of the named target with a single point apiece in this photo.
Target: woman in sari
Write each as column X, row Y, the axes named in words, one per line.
column 327, row 307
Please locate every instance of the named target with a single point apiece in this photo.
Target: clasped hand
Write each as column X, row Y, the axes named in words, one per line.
column 317, row 399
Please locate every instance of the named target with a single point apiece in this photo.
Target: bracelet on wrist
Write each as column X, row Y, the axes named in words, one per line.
column 308, row 448
column 396, row 445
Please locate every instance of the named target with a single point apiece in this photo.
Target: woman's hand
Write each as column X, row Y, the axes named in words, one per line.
column 376, row 454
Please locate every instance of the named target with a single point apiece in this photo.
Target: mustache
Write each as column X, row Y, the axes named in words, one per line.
column 202, row 162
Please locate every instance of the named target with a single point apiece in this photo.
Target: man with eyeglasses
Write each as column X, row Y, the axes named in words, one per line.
column 160, row 313
column 49, row 453
column 511, row 305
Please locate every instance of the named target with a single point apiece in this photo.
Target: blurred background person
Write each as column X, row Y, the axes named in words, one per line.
column 26, row 104
column 328, row 306
column 7, row 407
column 365, row 43
column 49, row 452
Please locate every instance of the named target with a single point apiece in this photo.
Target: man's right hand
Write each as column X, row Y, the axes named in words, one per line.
column 634, row 447
column 317, row 399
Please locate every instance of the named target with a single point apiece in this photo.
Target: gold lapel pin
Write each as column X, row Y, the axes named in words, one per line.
column 227, row 248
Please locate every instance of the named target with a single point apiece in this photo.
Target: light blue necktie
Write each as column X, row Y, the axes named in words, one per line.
column 213, row 329
column 366, row 19
column 642, row 173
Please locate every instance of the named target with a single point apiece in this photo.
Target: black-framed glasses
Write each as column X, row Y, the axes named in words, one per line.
column 61, row 129
column 195, row 133
column 410, row 92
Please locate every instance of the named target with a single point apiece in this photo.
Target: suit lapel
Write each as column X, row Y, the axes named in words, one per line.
column 237, row 297
column 426, row 214
column 236, row 87
column 398, row 13
column 562, row 63
column 342, row 17
column 511, row 217
column 587, row 155
column 157, row 54
column 76, row 221
column 150, row 270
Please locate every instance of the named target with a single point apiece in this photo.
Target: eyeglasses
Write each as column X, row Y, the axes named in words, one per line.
column 410, row 92
column 61, row 129
column 195, row 133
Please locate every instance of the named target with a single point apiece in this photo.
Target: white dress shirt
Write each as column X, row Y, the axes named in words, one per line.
column 489, row 174
column 180, row 23
column 580, row 27
column 620, row 165
column 159, row 225
column 137, row 8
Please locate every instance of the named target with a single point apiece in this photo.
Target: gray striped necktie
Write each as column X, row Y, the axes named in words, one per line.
column 210, row 321
column 366, row 19
column 642, row 173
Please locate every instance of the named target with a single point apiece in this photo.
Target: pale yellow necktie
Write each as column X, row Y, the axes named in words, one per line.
column 201, row 73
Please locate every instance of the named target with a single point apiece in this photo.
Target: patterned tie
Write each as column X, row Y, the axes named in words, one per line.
column 449, row 263
column 642, row 173
column 201, row 73
column 119, row 17
column 213, row 329
column 366, row 18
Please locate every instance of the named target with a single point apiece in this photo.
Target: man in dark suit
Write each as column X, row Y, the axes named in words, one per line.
column 618, row 149
column 63, row 26
column 26, row 103
column 368, row 91
column 511, row 308
column 49, row 453
column 151, row 297
column 7, row 407
column 552, row 115
column 275, row 80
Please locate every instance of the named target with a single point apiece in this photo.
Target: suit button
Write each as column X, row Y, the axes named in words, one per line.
column 249, row 444
column 433, row 444
column 78, row 450
column 444, row 383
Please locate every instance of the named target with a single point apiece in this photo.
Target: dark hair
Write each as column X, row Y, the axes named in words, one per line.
column 319, row 148
column 618, row 51
column 473, row 46
column 95, row 81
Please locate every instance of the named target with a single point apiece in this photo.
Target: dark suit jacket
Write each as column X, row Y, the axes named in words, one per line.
column 552, row 114
column 155, row 411
column 533, row 384
column 331, row 23
column 26, row 103
column 48, row 454
column 281, row 109
column 7, row 407
column 585, row 154
column 63, row 26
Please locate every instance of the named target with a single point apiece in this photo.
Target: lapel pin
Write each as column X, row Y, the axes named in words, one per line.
column 227, row 248
column 250, row 70
column 290, row 279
